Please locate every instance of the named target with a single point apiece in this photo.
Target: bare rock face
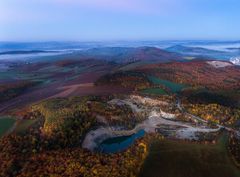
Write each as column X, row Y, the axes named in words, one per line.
column 235, row 60
column 219, row 64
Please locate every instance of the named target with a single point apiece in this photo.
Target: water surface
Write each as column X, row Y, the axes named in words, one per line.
column 118, row 144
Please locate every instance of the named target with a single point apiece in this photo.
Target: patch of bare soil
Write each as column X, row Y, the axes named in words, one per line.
column 90, row 89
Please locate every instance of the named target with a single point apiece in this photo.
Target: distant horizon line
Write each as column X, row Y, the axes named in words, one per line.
column 130, row 40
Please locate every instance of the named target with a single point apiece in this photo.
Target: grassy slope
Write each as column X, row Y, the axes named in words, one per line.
column 174, row 87
column 169, row 158
column 24, row 125
column 154, row 91
column 5, row 124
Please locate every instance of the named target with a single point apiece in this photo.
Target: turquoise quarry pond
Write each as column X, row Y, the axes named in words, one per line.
column 118, row 144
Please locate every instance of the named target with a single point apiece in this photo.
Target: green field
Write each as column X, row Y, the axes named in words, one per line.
column 173, row 87
column 154, row 91
column 24, row 125
column 5, row 124
column 168, row 158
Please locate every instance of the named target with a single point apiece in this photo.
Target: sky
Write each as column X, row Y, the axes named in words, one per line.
column 109, row 20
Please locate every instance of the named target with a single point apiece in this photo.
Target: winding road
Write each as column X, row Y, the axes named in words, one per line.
column 180, row 107
column 154, row 120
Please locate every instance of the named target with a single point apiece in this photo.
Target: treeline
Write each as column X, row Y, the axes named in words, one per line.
column 135, row 80
column 79, row 162
column 234, row 148
column 52, row 147
column 115, row 115
column 215, row 113
column 220, row 107
column 200, row 95
column 60, row 124
column 31, row 155
column 11, row 90
column 227, row 78
column 61, row 111
column 36, row 155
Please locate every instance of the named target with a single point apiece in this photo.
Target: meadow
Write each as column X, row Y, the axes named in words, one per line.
column 5, row 124
column 23, row 125
column 173, row 87
column 154, row 91
column 170, row 158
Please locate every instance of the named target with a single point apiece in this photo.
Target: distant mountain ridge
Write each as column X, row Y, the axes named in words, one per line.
column 233, row 48
column 130, row 54
column 181, row 48
column 113, row 54
column 199, row 52
column 16, row 52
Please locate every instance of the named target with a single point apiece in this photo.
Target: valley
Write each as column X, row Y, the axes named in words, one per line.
column 120, row 111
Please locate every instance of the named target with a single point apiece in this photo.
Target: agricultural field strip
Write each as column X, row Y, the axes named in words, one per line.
column 67, row 90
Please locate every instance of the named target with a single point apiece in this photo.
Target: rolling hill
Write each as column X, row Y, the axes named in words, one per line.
column 199, row 52
column 129, row 54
